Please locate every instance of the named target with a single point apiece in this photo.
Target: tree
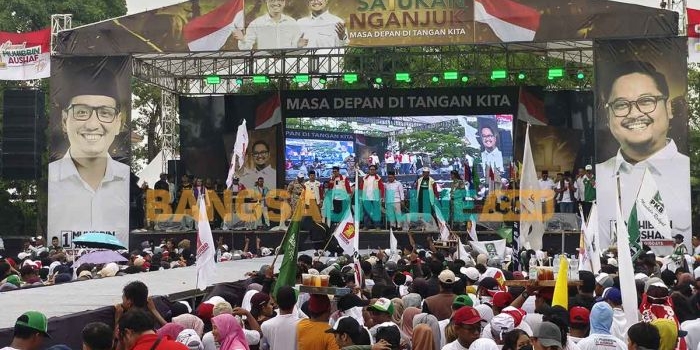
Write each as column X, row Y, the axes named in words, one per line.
column 694, row 138
column 148, row 102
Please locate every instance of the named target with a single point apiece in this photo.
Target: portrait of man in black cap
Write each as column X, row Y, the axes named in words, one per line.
column 88, row 189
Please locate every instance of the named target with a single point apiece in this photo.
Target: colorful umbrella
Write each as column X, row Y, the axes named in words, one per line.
column 99, row 240
column 99, row 257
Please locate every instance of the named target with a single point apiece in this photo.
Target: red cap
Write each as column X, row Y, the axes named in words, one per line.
column 11, row 262
column 205, row 311
column 319, row 303
column 502, row 299
column 516, row 313
column 466, row 315
column 579, row 315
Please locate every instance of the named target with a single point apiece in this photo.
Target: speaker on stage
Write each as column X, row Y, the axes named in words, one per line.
column 23, row 139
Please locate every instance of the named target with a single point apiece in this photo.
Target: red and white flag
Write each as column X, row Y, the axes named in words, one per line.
column 346, row 234
column 693, row 31
column 210, row 31
column 531, row 108
column 25, row 56
column 206, row 267
column 268, row 113
column 509, row 20
column 238, row 154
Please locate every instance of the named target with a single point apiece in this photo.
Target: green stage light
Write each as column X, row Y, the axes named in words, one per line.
column 435, row 79
column 260, row 79
column 555, row 73
column 465, row 78
column 301, row 78
column 405, row 77
column 580, row 75
column 239, row 81
column 323, row 80
column 499, row 74
column 213, row 79
column 378, row 80
column 350, row 78
column 450, row 75
column 521, row 76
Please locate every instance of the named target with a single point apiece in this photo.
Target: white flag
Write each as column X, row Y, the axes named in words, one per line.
column 491, row 248
column 206, row 267
column 472, row 229
column 463, row 255
column 393, row 244
column 651, row 207
column 238, row 154
column 584, row 255
column 593, row 238
column 346, row 233
column 442, row 224
column 531, row 224
column 626, row 269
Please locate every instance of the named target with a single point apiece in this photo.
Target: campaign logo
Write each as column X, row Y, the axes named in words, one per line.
column 15, row 55
column 349, row 231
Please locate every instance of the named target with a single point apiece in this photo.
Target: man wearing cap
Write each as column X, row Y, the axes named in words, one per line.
column 427, row 190
column 547, row 337
column 679, row 251
column 602, row 281
column 601, row 337
column 30, row 330
column 440, row 305
column 579, row 323
column 86, row 177
column 311, row 332
column 459, row 302
column 467, row 326
column 381, row 312
column 348, row 334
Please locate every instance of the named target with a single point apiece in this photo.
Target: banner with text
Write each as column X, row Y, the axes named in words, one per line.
column 642, row 118
column 25, row 56
column 233, row 25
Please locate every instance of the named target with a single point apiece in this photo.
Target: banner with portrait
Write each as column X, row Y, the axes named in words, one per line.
column 642, row 123
column 241, row 25
column 89, row 147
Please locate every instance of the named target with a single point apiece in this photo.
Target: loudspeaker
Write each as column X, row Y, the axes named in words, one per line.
column 23, row 140
column 176, row 169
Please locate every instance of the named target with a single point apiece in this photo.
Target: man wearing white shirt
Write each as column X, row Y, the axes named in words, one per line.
column 389, row 160
column 280, row 332
column 322, row 29
column 314, row 190
column 261, row 167
column 372, row 193
column 394, row 197
column 491, row 156
column 546, row 184
column 638, row 107
column 273, row 30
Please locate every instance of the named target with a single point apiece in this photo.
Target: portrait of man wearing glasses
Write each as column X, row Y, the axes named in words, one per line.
column 260, row 167
column 88, row 190
column 638, row 113
column 491, row 156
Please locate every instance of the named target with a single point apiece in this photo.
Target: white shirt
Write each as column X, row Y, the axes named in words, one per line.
column 601, row 342
column 494, row 159
column 393, row 191
column 75, row 206
column 389, row 158
column 375, row 159
column 455, row 345
column 370, row 187
column 566, row 195
column 313, row 191
column 264, row 33
column 320, row 31
column 280, row 331
column 250, row 177
column 671, row 172
column 580, row 188
column 693, row 329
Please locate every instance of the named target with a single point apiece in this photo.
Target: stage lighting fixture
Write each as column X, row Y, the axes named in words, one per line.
column 213, row 79
column 350, row 78
column 301, row 78
column 404, row 77
column 450, row 75
column 378, row 80
column 521, row 76
column 580, row 75
column 555, row 73
column 499, row 74
column 435, row 79
column 260, row 79
column 323, row 80
column 239, row 81
column 465, row 78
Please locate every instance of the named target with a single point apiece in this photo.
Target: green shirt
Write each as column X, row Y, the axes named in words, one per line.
column 588, row 189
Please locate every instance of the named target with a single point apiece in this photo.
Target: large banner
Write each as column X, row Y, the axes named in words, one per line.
column 25, row 56
column 693, row 30
column 231, row 25
column 643, row 124
column 89, row 147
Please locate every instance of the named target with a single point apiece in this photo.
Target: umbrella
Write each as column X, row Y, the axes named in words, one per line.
column 99, row 240
column 99, row 257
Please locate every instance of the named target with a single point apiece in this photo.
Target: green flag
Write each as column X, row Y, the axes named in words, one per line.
column 475, row 175
column 634, row 237
column 506, row 233
column 288, row 270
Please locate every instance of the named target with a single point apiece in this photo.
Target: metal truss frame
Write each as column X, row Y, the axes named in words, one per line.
column 59, row 22
column 185, row 73
column 170, row 119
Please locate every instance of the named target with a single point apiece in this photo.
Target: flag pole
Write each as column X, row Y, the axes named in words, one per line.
column 296, row 216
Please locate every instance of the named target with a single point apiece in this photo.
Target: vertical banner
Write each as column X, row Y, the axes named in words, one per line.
column 89, row 147
column 642, row 125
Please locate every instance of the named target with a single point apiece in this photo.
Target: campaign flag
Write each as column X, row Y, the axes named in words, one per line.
column 25, row 56
column 584, row 258
column 593, row 238
column 531, row 225
column 509, row 20
column 635, row 238
column 442, row 223
column 393, row 244
column 288, row 269
column 531, row 107
column 626, row 267
column 693, row 17
column 461, row 250
column 238, row 154
column 651, row 206
column 206, row 268
column 210, row 31
column 491, row 248
column 346, row 233
column 561, row 286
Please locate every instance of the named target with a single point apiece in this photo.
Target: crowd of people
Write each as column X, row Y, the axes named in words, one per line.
column 411, row 299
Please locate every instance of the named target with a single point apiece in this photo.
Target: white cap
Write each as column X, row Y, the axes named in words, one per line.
column 471, row 272
column 589, row 167
column 425, row 169
column 23, row 255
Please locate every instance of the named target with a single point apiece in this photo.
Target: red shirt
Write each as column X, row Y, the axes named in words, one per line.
column 146, row 341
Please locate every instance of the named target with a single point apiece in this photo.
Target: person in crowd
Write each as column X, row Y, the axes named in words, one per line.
column 668, row 333
column 191, row 339
column 516, row 339
column 579, row 323
column 280, row 331
column 262, row 307
column 600, row 335
column 227, row 331
column 30, row 331
column 613, row 296
column 55, row 247
column 170, row 331
column 311, row 332
column 423, row 337
column 349, row 335
column 547, row 337
column 679, row 251
column 135, row 332
column 642, row 335
column 372, row 194
column 394, row 197
column 162, row 184
column 97, row 336
column 440, row 304
column 390, row 161
column 135, row 296
column 585, row 295
column 467, row 327
column 189, row 321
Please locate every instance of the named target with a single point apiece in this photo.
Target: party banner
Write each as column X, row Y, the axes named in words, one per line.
column 25, row 56
column 642, row 124
column 89, row 147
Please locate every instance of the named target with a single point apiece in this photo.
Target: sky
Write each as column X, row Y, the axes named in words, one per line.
column 136, row 6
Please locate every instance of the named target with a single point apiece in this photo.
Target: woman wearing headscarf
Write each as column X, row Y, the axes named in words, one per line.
column 190, row 321
column 229, row 333
column 412, row 300
column 170, row 331
column 407, row 320
column 668, row 333
column 423, row 338
column 398, row 310
column 432, row 322
column 191, row 340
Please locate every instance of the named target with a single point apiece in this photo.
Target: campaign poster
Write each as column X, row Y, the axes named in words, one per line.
column 642, row 123
column 25, row 56
column 89, row 147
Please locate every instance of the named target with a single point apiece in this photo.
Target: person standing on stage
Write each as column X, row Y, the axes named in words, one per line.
column 428, row 192
column 372, row 195
column 340, row 192
column 314, row 191
column 260, row 191
column 394, row 197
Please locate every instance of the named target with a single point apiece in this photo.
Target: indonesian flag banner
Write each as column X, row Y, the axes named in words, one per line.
column 509, row 20
column 693, row 30
column 25, row 56
column 210, row 31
